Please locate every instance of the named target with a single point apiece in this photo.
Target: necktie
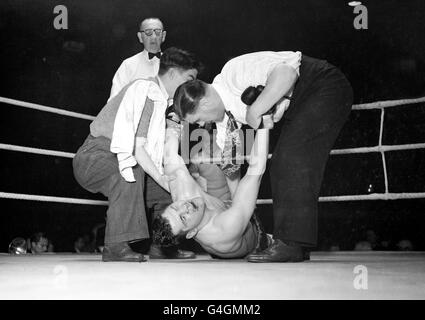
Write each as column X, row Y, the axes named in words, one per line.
column 151, row 55
column 231, row 155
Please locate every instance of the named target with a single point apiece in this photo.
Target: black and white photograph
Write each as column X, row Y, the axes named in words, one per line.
column 212, row 154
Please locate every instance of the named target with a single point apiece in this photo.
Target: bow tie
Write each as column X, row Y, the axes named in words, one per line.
column 151, row 55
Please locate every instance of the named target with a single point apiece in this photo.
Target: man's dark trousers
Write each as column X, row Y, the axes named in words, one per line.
column 96, row 170
column 320, row 106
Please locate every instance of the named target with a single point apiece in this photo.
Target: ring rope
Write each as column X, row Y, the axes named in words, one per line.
column 378, row 148
column 384, row 164
column 363, row 106
column 361, row 197
column 367, row 106
column 383, row 148
column 47, row 152
column 387, row 104
column 33, row 197
column 373, row 196
column 45, row 108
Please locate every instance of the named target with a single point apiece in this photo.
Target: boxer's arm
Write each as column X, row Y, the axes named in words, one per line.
column 172, row 159
column 244, row 202
column 182, row 184
column 233, row 184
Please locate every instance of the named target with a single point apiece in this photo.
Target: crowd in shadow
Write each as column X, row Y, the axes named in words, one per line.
column 40, row 243
column 370, row 241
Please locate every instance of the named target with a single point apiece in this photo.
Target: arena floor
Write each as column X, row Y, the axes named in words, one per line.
column 328, row 275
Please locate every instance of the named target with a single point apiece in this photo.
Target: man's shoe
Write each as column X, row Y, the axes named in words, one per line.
column 121, row 252
column 278, row 251
column 158, row 252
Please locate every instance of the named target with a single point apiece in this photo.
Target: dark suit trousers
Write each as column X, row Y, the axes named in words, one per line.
column 320, row 106
column 96, row 170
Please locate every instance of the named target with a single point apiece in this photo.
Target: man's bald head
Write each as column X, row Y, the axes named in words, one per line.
column 152, row 34
column 150, row 20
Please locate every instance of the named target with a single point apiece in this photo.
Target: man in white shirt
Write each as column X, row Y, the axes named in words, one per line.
column 145, row 64
column 313, row 100
column 122, row 157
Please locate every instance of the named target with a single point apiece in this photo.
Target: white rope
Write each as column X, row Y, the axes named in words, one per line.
column 413, row 146
column 21, row 196
column 373, row 196
column 366, row 106
column 376, row 196
column 384, row 163
column 47, row 152
column 387, row 104
column 45, row 108
column 363, row 106
column 380, row 148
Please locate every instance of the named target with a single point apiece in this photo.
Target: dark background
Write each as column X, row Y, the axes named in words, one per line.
column 73, row 69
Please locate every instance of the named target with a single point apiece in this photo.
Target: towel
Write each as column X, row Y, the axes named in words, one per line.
column 127, row 121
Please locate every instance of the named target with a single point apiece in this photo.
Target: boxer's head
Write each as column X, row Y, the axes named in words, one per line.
column 179, row 218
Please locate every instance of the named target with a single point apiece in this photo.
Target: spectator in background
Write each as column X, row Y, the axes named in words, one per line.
column 85, row 243
column 99, row 236
column 18, row 246
column 334, row 247
column 363, row 246
column 404, row 245
column 39, row 243
column 91, row 242
column 373, row 239
column 145, row 64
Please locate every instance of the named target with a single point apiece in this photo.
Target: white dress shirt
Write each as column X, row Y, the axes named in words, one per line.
column 136, row 67
column 250, row 69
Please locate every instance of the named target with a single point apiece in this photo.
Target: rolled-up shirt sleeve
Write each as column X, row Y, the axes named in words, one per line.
column 253, row 69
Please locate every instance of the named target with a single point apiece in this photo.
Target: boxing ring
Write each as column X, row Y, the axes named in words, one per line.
column 327, row 275
column 382, row 105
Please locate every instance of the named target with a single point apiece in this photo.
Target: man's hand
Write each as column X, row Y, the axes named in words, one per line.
column 252, row 119
column 268, row 122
